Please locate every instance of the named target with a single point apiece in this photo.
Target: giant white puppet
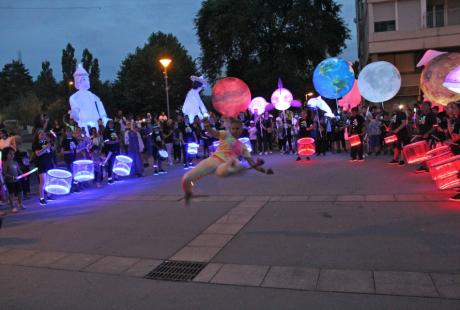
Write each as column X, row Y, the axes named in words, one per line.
column 86, row 107
column 193, row 105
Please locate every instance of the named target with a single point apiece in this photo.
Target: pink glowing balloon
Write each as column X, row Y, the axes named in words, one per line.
column 296, row 104
column 230, row 96
column 282, row 98
column 352, row 99
column 259, row 104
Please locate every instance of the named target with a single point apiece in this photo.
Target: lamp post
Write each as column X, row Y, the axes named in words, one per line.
column 309, row 94
column 165, row 62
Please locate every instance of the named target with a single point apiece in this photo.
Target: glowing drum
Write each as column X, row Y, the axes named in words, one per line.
column 122, row 165
column 391, row 139
column 354, row 140
column 58, row 182
column 192, row 148
column 163, row 154
column 437, row 155
column 416, row 152
column 446, row 172
column 246, row 142
column 83, row 170
column 306, row 146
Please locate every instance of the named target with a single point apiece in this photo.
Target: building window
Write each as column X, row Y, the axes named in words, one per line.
column 435, row 14
column 389, row 25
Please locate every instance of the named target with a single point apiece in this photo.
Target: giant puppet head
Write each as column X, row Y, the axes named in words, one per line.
column 81, row 78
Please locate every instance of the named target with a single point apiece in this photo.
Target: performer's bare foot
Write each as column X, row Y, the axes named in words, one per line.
column 269, row 171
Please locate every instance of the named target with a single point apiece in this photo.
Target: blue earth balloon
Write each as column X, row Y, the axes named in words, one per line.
column 333, row 78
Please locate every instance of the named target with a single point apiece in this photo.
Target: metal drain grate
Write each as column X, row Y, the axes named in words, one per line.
column 176, row 271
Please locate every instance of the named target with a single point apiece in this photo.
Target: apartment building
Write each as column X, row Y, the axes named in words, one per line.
column 400, row 31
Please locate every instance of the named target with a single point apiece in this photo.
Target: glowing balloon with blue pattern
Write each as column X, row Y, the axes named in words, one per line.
column 333, row 78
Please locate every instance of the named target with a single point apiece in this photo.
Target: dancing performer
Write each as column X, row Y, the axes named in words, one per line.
column 224, row 161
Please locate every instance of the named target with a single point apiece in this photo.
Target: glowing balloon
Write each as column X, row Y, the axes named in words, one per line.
column 433, row 75
column 281, row 99
column 319, row 103
column 259, row 104
column 452, row 80
column 352, row 99
column 296, row 104
column 429, row 56
column 333, row 78
column 379, row 81
column 230, row 96
column 269, row 107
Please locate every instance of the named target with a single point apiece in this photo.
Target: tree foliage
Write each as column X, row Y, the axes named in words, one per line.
column 94, row 76
column 46, row 87
column 87, row 60
column 140, row 87
column 15, row 82
column 261, row 40
column 69, row 64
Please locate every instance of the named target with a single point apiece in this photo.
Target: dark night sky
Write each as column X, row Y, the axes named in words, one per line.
column 39, row 29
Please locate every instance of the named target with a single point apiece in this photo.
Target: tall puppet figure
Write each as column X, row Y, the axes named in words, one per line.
column 86, row 107
column 193, row 105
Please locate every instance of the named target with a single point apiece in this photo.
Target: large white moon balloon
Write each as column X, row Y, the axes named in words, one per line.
column 379, row 81
column 259, row 104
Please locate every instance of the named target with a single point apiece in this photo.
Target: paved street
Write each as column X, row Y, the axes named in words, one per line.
column 324, row 234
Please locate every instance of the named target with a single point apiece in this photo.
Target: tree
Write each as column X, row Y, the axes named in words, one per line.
column 87, row 60
column 69, row 64
column 46, row 87
column 15, row 82
column 139, row 87
column 94, row 76
column 268, row 40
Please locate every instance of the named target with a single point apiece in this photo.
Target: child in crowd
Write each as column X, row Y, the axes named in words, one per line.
column 11, row 172
column 96, row 156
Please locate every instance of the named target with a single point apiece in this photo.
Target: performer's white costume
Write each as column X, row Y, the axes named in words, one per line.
column 86, row 107
column 193, row 104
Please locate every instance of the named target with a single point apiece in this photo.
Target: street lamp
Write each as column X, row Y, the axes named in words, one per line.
column 309, row 94
column 165, row 62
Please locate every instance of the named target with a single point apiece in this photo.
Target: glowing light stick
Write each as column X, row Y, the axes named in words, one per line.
column 52, row 132
column 26, row 174
column 107, row 158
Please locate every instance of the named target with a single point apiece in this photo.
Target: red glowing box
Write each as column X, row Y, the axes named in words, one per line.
column 445, row 169
column 354, row 140
column 434, row 161
column 306, row 146
column 448, row 182
column 416, row 152
column 439, row 150
column 391, row 139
